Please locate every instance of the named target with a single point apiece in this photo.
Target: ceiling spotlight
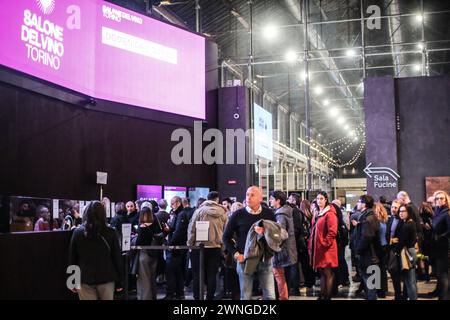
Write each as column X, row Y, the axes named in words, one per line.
column 319, row 135
column 420, row 46
column 340, row 120
column 355, row 139
column 254, row 81
column 333, row 112
column 417, row 67
column 318, row 90
column 419, row 18
column 352, row 133
column 291, row 56
column 303, row 75
column 350, row 53
column 270, row 31
column 326, row 102
column 346, row 127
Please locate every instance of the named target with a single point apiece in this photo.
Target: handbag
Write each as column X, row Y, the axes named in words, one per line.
column 393, row 262
column 408, row 258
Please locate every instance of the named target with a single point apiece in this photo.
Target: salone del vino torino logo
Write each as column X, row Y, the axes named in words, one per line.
column 46, row 6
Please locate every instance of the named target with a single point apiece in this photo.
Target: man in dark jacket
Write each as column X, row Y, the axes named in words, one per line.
column 368, row 245
column 238, row 227
column 341, row 273
column 292, row 272
column 162, row 215
column 186, row 202
column 176, row 259
column 125, row 214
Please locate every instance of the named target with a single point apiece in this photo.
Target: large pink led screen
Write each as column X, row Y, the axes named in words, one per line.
column 106, row 52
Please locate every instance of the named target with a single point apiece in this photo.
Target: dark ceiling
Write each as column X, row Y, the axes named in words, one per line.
column 334, row 26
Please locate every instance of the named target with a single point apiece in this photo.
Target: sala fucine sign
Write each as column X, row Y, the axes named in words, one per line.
column 382, row 177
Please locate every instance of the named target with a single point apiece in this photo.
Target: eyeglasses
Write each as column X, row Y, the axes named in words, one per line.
column 440, row 198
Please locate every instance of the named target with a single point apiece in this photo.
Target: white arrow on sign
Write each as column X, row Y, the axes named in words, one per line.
column 373, row 170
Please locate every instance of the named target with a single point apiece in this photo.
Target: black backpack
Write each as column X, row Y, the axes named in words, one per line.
column 342, row 237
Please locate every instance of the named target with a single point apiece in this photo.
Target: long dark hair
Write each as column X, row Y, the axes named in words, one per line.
column 409, row 211
column 305, row 207
column 426, row 209
column 325, row 195
column 94, row 219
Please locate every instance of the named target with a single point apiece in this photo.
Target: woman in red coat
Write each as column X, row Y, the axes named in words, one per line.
column 322, row 243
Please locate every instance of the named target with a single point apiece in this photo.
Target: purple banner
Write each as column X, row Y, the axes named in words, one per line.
column 149, row 192
column 106, row 52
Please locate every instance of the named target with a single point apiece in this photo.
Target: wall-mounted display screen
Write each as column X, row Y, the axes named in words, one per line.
column 106, row 52
column 195, row 193
column 170, row 192
column 262, row 120
column 148, row 192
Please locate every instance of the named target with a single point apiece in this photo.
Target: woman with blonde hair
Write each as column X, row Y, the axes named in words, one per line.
column 440, row 236
column 382, row 215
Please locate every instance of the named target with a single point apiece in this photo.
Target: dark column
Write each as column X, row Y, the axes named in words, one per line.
column 233, row 114
column 381, row 136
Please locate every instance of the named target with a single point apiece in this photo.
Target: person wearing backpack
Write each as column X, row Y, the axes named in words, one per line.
column 368, row 244
column 293, row 271
column 342, row 239
column 302, row 247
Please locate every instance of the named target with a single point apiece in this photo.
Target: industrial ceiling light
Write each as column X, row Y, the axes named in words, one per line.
column 291, row 56
column 333, row 111
column 270, row 32
column 340, row 120
column 303, row 75
column 417, row 67
column 420, row 46
column 350, row 53
column 419, row 18
column 318, row 90
column 346, row 127
column 326, row 102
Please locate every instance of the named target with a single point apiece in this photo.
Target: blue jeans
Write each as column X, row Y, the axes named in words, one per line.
column 371, row 294
column 266, row 281
column 409, row 281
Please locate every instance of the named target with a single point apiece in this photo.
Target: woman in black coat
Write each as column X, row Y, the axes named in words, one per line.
column 95, row 249
column 426, row 214
column 440, row 246
column 407, row 241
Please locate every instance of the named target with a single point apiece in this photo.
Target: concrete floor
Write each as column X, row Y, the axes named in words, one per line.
column 345, row 293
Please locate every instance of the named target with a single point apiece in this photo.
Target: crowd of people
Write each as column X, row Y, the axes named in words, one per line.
column 32, row 216
column 273, row 250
